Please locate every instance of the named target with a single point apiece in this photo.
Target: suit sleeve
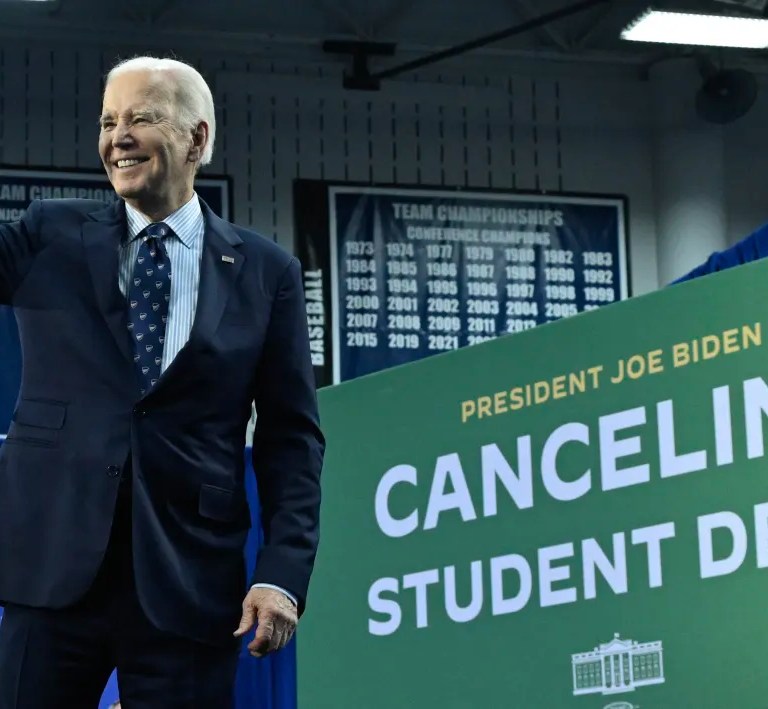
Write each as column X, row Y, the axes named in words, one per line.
column 288, row 445
column 751, row 248
column 19, row 244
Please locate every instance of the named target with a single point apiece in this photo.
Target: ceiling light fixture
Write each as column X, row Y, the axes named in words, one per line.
column 696, row 29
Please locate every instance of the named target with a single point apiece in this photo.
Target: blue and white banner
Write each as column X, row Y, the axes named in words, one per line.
column 417, row 272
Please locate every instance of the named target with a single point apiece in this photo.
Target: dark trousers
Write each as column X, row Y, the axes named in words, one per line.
column 61, row 659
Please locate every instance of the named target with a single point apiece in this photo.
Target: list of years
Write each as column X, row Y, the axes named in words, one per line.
column 439, row 297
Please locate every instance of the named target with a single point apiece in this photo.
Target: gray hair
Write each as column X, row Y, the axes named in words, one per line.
column 194, row 102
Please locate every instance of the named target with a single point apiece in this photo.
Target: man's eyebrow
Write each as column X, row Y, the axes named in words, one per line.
column 152, row 113
column 148, row 113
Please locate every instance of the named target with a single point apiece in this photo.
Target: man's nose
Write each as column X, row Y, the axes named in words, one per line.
column 122, row 134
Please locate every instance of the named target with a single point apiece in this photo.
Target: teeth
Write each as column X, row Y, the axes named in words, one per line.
column 128, row 163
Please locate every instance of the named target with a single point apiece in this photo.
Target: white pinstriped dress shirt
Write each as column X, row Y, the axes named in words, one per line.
column 185, row 248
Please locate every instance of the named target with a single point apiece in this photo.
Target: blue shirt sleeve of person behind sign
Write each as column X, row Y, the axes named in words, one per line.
column 751, row 248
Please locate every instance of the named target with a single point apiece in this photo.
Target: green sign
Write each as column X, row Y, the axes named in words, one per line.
column 573, row 516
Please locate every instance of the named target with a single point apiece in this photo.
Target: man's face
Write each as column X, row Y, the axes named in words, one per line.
column 143, row 151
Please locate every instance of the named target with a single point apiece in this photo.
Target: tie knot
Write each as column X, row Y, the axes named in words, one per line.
column 157, row 230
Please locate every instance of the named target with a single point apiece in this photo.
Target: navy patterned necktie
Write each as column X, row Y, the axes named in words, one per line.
column 149, row 294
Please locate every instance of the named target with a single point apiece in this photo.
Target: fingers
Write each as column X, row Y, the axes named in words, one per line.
column 262, row 642
column 288, row 635
column 274, row 631
column 275, row 617
column 277, row 638
column 246, row 620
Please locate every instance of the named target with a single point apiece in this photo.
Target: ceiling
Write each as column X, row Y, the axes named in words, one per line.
column 418, row 27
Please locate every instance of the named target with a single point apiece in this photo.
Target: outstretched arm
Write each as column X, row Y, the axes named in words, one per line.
column 19, row 244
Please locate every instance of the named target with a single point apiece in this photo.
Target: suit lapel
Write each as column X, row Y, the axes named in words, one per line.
column 219, row 267
column 101, row 239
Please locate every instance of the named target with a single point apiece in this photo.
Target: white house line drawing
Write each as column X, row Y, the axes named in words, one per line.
column 618, row 666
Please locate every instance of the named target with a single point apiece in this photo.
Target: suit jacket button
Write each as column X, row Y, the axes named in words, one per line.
column 113, row 471
column 140, row 412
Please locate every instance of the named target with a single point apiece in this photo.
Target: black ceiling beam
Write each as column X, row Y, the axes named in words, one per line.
column 533, row 23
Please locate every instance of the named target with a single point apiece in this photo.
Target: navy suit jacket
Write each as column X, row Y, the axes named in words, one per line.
column 751, row 248
column 80, row 414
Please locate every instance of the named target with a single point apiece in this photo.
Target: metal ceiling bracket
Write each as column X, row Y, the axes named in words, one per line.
column 361, row 77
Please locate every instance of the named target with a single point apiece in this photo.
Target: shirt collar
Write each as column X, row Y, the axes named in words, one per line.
column 181, row 221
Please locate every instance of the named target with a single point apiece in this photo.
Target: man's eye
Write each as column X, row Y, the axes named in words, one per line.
column 140, row 119
column 106, row 125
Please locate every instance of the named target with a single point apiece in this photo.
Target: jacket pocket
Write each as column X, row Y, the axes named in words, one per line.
column 217, row 503
column 40, row 413
column 37, row 422
column 28, row 441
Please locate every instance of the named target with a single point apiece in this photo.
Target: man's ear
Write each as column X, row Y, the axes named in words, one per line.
column 199, row 141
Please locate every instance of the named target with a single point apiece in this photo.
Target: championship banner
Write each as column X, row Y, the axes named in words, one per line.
column 573, row 516
column 406, row 273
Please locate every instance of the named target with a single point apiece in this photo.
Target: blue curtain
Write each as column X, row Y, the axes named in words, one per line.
column 270, row 682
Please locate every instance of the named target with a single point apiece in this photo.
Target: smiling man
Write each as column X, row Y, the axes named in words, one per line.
column 149, row 157
column 149, row 327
